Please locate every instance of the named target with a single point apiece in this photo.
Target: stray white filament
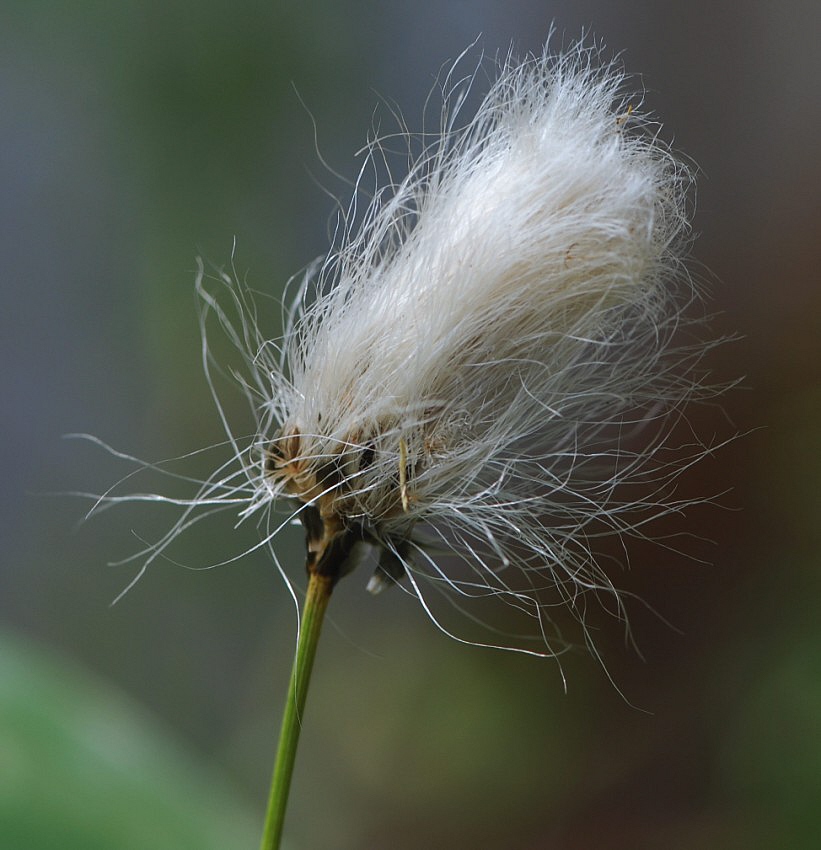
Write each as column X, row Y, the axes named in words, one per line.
column 484, row 375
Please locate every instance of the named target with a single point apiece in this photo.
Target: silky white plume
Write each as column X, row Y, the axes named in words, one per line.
column 483, row 375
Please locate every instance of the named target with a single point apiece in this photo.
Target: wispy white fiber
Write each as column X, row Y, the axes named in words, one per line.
column 483, row 376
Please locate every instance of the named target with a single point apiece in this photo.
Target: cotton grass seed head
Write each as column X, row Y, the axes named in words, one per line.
column 484, row 374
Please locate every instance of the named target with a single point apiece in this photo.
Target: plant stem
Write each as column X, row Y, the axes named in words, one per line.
column 313, row 612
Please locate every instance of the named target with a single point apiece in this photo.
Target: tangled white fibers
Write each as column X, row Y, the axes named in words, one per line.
column 485, row 374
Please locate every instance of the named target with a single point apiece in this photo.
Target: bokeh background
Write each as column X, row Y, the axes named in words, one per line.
column 135, row 136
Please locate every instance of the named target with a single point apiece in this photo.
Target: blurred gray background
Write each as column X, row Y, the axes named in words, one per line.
column 136, row 136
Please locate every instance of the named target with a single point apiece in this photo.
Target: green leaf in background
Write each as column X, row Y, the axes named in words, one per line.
column 82, row 767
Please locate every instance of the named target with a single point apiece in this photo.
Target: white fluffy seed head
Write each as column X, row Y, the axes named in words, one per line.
column 490, row 355
column 510, row 299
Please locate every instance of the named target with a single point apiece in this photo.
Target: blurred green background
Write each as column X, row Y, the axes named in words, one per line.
column 137, row 135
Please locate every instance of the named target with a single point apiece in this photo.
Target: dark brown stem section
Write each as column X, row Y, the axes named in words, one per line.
column 328, row 543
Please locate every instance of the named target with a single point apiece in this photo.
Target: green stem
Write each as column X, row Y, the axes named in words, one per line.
column 313, row 611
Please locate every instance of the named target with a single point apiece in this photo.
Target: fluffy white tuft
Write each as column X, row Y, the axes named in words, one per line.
column 482, row 378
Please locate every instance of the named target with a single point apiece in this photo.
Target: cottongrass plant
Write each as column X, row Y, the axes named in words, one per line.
column 485, row 374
